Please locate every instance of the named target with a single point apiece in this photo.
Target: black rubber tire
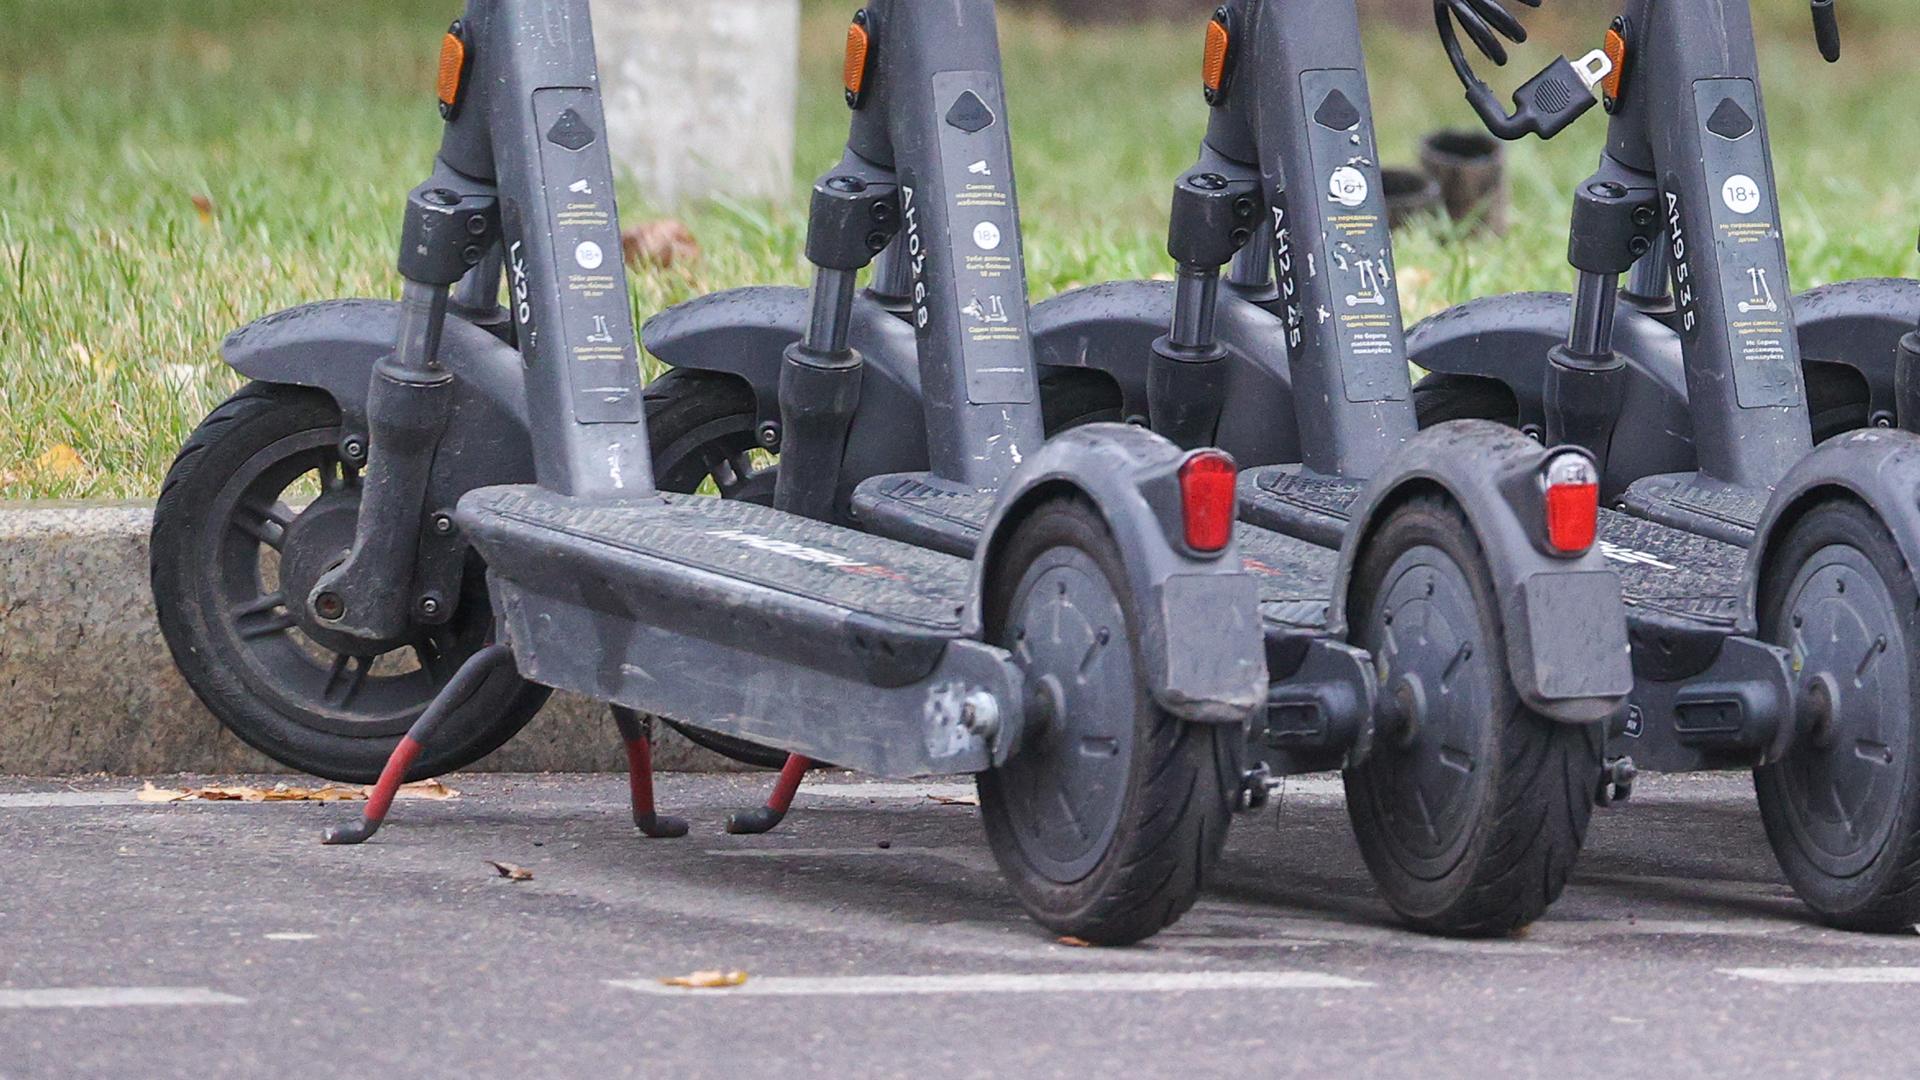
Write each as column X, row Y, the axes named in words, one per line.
column 1441, row 397
column 1164, row 792
column 1076, row 397
column 1505, row 840
column 1873, row 884
column 249, row 696
column 697, row 421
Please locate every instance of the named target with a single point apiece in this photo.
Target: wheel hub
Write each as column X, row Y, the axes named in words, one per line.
column 1068, row 783
column 1841, row 777
column 1425, row 779
column 316, row 542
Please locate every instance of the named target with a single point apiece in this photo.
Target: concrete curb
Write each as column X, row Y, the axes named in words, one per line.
column 89, row 686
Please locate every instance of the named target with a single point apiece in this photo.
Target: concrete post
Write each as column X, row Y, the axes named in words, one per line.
column 700, row 94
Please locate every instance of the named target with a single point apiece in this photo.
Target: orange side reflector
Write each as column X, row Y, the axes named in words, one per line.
column 453, row 61
column 1616, row 50
column 854, row 77
column 1213, row 68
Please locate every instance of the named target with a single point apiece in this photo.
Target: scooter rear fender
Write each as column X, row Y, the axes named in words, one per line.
column 1201, row 636
column 1564, row 619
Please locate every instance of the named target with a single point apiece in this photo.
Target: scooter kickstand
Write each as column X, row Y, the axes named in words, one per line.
column 458, row 689
column 637, row 733
column 763, row 818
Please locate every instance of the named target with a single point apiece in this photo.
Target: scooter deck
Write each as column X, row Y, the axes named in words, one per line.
column 1690, row 501
column 1293, row 576
column 676, row 547
column 1668, row 575
column 823, row 640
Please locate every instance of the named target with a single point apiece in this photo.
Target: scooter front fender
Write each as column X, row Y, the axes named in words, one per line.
column 744, row 333
column 332, row 346
column 1858, row 325
column 1506, row 339
column 1111, row 328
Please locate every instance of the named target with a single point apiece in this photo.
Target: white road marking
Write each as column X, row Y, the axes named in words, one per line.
column 290, row 935
column 1810, row 976
column 924, row 791
column 1110, row 982
column 976, row 861
column 106, row 997
column 37, row 800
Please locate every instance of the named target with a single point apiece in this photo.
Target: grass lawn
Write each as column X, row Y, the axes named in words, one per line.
column 171, row 170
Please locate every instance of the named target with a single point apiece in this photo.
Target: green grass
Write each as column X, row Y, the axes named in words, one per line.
column 302, row 125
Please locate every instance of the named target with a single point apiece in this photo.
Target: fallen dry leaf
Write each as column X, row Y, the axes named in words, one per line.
column 950, row 800
column 204, row 207
column 427, row 789
column 662, row 242
column 1078, row 943
column 285, row 792
column 708, row 980
column 61, row 462
column 511, row 872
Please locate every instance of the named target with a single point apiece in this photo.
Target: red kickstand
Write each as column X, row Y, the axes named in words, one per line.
column 637, row 733
column 468, row 679
column 762, row 818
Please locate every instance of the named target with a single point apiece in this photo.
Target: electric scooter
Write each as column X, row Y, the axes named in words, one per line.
column 1461, row 877
column 1809, row 551
column 1497, row 630
column 1095, row 662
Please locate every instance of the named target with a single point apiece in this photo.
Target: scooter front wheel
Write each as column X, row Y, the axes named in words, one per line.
column 257, row 505
column 1111, row 813
column 1471, row 809
column 1842, row 807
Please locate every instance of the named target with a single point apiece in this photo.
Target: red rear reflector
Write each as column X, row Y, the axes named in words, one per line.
column 1573, row 503
column 1207, row 500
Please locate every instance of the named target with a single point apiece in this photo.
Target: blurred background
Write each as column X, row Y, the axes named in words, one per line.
column 170, row 169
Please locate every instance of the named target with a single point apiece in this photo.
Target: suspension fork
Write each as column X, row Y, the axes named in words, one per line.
column 854, row 216
column 1616, row 222
column 451, row 222
column 1216, row 212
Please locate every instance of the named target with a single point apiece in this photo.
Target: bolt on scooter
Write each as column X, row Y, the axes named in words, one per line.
column 1775, row 608
column 1497, row 631
column 1095, row 662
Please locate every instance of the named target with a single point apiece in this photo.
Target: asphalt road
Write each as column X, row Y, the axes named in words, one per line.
column 214, row 940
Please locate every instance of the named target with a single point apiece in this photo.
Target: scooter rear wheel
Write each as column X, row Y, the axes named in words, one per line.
column 1842, row 807
column 1471, row 809
column 1111, row 813
column 257, row 504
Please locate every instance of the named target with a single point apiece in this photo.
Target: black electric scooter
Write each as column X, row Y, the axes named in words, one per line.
column 1095, row 662
column 1809, row 550
column 1419, row 567
column 1497, row 631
